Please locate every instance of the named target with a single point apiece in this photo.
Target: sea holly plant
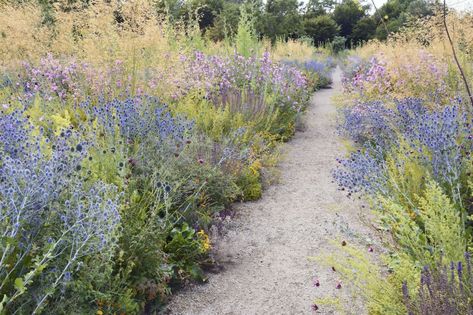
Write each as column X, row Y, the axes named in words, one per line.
column 439, row 141
column 50, row 219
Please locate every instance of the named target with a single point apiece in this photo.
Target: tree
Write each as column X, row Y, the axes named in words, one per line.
column 172, row 8
column 315, row 8
column 347, row 14
column 338, row 44
column 395, row 14
column 203, row 11
column 225, row 24
column 282, row 19
column 420, row 8
column 321, row 29
column 364, row 30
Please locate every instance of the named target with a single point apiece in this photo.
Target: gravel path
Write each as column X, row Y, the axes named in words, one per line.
column 264, row 253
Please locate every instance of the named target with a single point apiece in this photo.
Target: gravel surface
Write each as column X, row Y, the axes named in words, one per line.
column 264, row 252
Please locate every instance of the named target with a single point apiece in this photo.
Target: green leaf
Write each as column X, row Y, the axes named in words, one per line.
column 19, row 285
column 196, row 272
column 11, row 241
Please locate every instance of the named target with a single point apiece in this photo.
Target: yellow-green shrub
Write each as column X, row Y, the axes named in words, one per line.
column 432, row 231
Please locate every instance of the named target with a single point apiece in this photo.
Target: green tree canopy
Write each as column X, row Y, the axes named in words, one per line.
column 225, row 24
column 364, row 30
column 318, row 7
column 281, row 19
column 347, row 14
column 321, row 28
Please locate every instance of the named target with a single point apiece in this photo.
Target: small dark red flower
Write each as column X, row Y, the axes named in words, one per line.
column 316, row 283
column 370, row 249
column 339, row 285
column 201, row 161
column 314, row 307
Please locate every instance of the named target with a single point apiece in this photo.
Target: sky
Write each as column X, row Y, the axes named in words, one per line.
column 459, row 5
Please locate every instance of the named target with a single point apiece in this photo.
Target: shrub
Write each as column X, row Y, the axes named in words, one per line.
column 338, row 44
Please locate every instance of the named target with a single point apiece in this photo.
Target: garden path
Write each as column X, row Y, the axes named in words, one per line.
column 264, row 252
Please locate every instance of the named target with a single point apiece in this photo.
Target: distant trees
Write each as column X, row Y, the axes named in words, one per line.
column 226, row 23
column 364, row 30
column 321, row 28
column 350, row 21
column 318, row 7
column 395, row 14
column 282, row 19
column 347, row 15
column 207, row 11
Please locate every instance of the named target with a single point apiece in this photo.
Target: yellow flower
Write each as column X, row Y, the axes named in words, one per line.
column 256, row 167
column 205, row 241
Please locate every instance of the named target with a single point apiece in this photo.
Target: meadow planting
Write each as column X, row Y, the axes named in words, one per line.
column 128, row 129
column 409, row 118
column 122, row 139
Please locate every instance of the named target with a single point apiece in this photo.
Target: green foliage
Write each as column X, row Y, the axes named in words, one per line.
column 215, row 122
column 171, row 8
column 184, row 249
column 276, row 19
column 207, row 11
column 170, row 181
column 432, row 229
column 364, row 30
column 421, row 222
column 226, row 24
column 347, row 15
column 338, row 44
column 321, row 29
column 443, row 224
column 281, row 19
column 382, row 295
column 316, row 8
column 424, row 235
column 392, row 15
column 250, row 182
column 246, row 40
